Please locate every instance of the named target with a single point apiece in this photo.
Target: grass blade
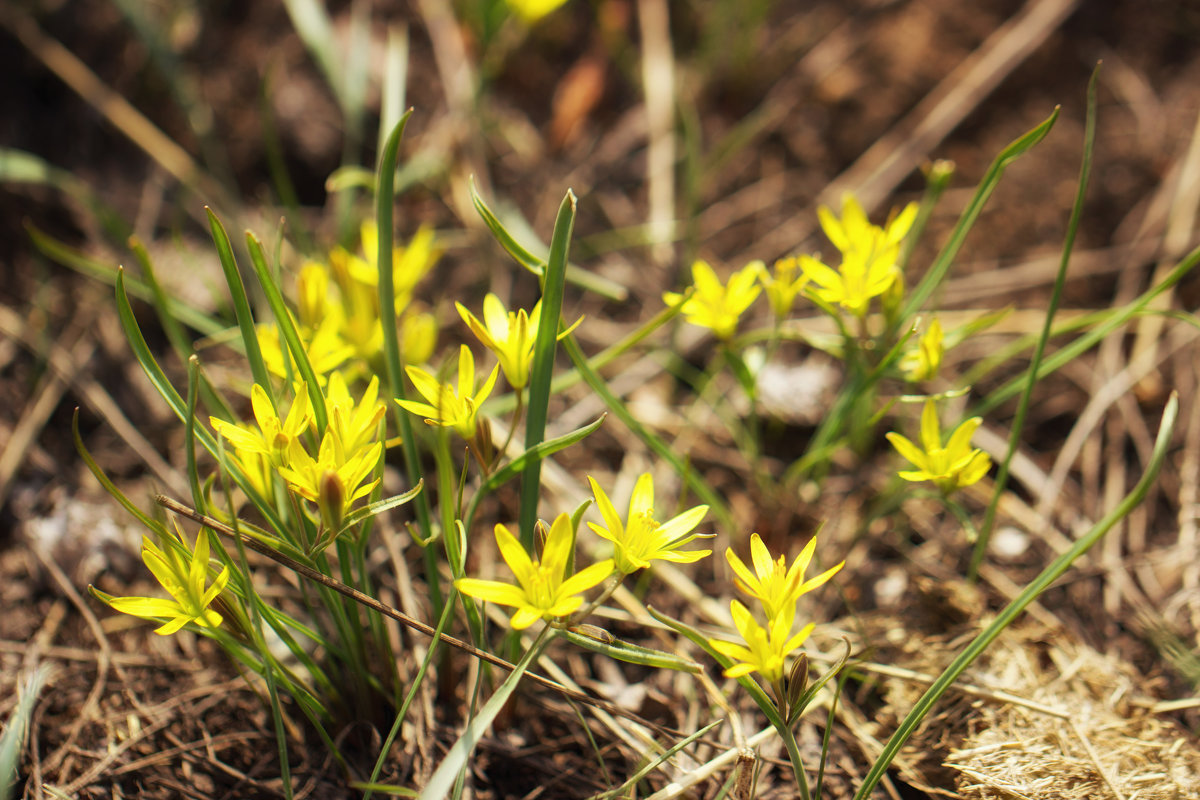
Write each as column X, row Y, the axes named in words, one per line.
column 384, row 202
column 1039, row 351
column 287, row 327
column 542, row 370
column 444, row 777
column 933, row 278
column 241, row 305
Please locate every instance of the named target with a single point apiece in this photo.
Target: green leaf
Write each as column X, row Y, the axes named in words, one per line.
column 379, row 506
column 241, row 305
column 287, row 327
column 542, row 371
column 933, row 278
column 631, row 653
column 1039, row 351
column 443, row 779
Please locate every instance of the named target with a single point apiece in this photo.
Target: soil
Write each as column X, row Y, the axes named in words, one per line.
column 777, row 103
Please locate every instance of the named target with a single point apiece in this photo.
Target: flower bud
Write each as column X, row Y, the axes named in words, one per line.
column 331, row 501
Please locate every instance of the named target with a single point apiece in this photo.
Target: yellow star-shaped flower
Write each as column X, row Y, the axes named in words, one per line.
column 776, row 585
column 642, row 538
column 543, row 591
column 449, row 406
column 715, row 305
column 184, row 580
column 951, row 467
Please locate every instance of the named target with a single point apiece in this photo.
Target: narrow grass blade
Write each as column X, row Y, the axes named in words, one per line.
column 447, row 615
column 384, row 202
column 287, row 327
column 19, row 166
column 241, row 305
column 632, row 653
column 1060, row 279
column 443, row 779
column 511, row 246
column 1031, row 592
column 933, row 278
column 141, row 351
column 657, row 762
column 312, row 23
column 110, row 487
column 542, row 369
column 1088, row 340
column 575, row 275
column 106, row 273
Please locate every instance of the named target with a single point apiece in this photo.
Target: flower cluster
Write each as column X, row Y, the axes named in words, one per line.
column 869, row 268
column 337, row 306
column 777, row 587
column 543, row 589
column 347, row 454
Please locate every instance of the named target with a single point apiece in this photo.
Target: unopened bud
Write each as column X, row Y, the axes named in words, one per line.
column 331, row 501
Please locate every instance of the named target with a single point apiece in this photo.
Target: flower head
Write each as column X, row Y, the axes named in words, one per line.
column 765, row 649
column 715, row 305
column 782, row 284
column 510, row 335
column 449, row 406
column 184, row 580
column 951, row 467
column 274, row 436
column 543, row 590
column 356, row 423
column 533, row 10
column 869, row 256
column 776, row 585
column 336, row 474
column 642, row 538
column 923, row 361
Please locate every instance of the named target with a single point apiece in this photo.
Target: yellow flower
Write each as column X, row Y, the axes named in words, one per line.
column 324, row 346
column 869, row 256
column 273, row 437
column 951, row 467
column 923, row 361
column 356, row 424
column 334, row 479
column 184, row 580
column 312, row 294
column 533, row 10
column 783, row 284
column 766, row 648
column 409, row 264
column 644, row 539
column 418, row 335
column 447, row 406
column 542, row 590
column 357, row 278
column 853, row 231
column 777, row 586
column 510, row 335
column 714, row 305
